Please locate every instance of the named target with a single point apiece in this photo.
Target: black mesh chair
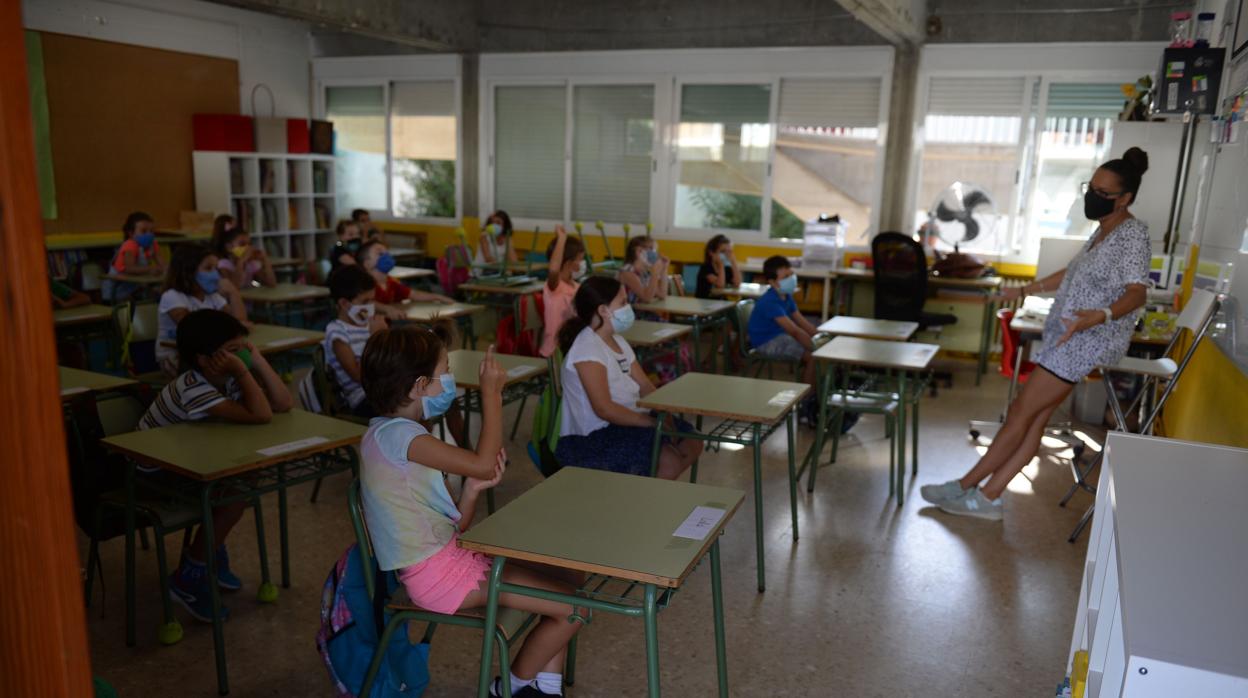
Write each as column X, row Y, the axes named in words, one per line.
column 901, row 286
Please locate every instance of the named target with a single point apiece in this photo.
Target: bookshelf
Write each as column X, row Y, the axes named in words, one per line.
column 285, row 200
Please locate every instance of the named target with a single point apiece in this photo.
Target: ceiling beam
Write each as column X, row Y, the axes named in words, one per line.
column 898, row 21
column 423, row 24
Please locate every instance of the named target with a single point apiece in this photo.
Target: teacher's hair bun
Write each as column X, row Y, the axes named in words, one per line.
column 1137, row 159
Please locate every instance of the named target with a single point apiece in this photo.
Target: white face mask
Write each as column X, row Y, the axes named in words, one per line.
column 582, row 268
column 362, row 314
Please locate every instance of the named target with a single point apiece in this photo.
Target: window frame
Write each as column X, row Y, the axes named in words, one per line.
column 383, row 71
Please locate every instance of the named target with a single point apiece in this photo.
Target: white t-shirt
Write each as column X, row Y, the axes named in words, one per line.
column 167, row 328
column 579, row 418
column 496, row 251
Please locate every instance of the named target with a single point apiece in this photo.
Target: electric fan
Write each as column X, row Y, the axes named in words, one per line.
column 962, row 213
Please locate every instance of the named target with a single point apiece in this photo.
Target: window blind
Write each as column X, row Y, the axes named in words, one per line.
column 725, row 104
column 976, row 96
column 529, row 128
column 613, row 135
column 1085, row 100
column 422, row 120
column 830, row 103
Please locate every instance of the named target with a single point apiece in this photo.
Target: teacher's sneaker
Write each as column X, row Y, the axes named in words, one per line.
column 189, row 588
column 975, row 504
column 943, row 492
column 226, row 579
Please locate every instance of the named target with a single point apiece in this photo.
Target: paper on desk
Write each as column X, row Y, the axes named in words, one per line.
column 702, row 521
column 291, row 446
column 784, row 397
column 518, row 371
column 666, row 332
column 283, row 342
column 73, row 391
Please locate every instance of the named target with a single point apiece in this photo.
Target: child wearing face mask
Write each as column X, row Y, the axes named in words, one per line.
column 719, row 267
column 644, row 273
column 777, row 329
column 493, row 241
column 412, row 517
column 237, row 259
column 567, row 266
column 223, row 377
column 353, row 293
column 376, row 259
column 193, row 283
column 602, row 381
column 139, row 255
column 350, row 240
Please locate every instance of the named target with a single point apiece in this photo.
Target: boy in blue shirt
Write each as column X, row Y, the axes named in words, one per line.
column 776, row 328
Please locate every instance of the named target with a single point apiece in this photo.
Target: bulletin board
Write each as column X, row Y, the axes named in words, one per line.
column 121, row 128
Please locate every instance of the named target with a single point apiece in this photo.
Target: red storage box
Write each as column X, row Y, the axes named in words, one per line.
column 232, row 132
column 297, row 139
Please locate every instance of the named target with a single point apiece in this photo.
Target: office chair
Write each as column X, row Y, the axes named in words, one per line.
column 901, row 286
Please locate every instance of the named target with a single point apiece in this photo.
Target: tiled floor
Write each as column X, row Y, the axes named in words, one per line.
column 872, row 601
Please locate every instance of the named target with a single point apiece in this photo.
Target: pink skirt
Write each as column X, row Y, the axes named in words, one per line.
column 440, row 583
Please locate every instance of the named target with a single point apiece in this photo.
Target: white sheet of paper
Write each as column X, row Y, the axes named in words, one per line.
column 520, row 371
column 666, row 332
column 702, row 521
column 74, row 391
column 784, row 397
column 290, row 446
column 283, row 342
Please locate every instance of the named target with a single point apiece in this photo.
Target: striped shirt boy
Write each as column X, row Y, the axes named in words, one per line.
column 355, row 336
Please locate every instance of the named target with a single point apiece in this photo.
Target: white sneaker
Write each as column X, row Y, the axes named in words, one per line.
column 975, row 504
column 935, row 494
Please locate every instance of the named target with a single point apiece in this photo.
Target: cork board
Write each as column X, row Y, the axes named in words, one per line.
column 121, row 128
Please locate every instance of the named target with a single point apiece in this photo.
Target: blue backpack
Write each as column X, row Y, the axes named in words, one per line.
column 350, row 626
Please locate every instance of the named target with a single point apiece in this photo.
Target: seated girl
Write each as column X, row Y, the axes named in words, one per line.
column 644, row 273
column 567, row 265
column 411, row 515
column 193, row 284
column 719, row 267
column 237, row 259
column 378, row 262
column 349, row 242
column 602, row 426
column 139, row 255
column 493, row 242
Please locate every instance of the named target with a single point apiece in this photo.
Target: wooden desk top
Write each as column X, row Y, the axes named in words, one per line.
column 870, row 328
column 465, row 364
column 741, row 291
column 982, row 283
column 282, row 262
column 686, row 306
column 648, row 333
column 141, row 279
column 283, row 293
column 408, row 273
column 406, row 252
column 81, row 315
column 427, row 312
column 907, row 356
column 605, row 523
column 211, row 450
column 275, row 339
column 727, row 397
column 502, row 289
column 75, row 381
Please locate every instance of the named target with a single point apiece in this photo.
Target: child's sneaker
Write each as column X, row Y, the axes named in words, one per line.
column 974, row 504
column 935, row 494
column 226, row 579
column 189, row 588
column 528, row 691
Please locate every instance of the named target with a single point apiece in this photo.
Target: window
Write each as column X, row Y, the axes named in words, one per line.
column 423, row 147
column 722, row 144
column 359, row 117
column 972, row 133
column 826, row 154
column 529, row 148
column 1074, row 138
column 612, row 151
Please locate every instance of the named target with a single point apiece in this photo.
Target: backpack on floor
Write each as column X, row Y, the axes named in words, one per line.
column 350, row 627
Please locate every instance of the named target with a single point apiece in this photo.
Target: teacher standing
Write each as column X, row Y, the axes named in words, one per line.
column 1089, row 325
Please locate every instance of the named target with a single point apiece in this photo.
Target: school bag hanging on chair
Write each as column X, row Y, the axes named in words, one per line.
column 350, row 626
column 526, row 340
column 547, row 420
column 454, row 266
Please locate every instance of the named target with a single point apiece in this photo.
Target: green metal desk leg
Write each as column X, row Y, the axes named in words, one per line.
column 717, row 610
column 985, row 338
column 658, row 443
column 218, row 629
column 652, row 641
column 283, row 525
column 914, row 437
column 491, row 621
column 697, row 347
column 792, row 469
column 266, row 593
column 901, row 438
column 130, row 562
column 821, row 386
column 755, row 443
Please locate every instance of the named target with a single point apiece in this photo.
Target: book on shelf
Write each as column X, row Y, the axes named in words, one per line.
column 268, row 210
column 268, row 177
column 292, row 185
column 320, row 178
column 323, row 215
column 293, row 214
column 237, row 183
column 245, row 214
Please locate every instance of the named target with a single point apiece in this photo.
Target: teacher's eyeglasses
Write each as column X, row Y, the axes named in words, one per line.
column 1087, row 186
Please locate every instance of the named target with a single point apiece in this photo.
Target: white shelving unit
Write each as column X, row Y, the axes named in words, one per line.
column 285, row 200
column 1161, row 608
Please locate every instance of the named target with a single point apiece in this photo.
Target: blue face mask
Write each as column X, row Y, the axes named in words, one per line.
column 385, row 263
column 788, row 285
column 622, row 319
column 209, row 281
column 145, row 240
column 723, row 257
column 494, row 228
column 436, row 406
column 652, row 256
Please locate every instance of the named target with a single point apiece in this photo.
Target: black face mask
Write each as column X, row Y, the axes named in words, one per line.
column 1095, row 206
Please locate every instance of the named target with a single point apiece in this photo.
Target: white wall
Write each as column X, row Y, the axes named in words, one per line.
column 269, row 50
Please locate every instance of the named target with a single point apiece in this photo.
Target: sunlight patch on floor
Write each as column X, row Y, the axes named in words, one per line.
column 1021, row 484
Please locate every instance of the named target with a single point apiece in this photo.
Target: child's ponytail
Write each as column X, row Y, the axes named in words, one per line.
column 597, row 291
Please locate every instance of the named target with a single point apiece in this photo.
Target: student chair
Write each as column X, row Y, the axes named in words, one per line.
column 138, row 326
column 1196, row 318
column 843, row 400
column 901, row 286
column 547, row 420
column 741, row 323
column 675, row 285
column 511, row 623
column 689, row 275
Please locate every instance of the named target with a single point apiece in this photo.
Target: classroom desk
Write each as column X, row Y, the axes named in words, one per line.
column 869, row 328
column 825, row 275
column 275, row 339
column 610, row 526
column 699, row 314
column 902, row 357
column 286, row 267
column 270, row 300
column 406, row 252
column 986, row 286
column 75, row 381
column 406, row 274
column 225, row 463
column 145, row 282
column 82, row 315
column 85, row 323
column 741, row 291
column 752, row 410
column 428, row 312
column 500, row 295
column 647, row 337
